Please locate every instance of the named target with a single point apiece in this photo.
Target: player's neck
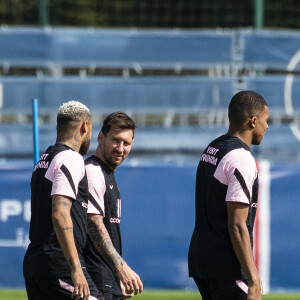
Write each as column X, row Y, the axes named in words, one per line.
column 72, row 143
column 100, row 155
column 241, row 134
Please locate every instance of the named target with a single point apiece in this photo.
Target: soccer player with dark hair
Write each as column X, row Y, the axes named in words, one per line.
column 220, row 255
column 103, row 254
column 53, row 264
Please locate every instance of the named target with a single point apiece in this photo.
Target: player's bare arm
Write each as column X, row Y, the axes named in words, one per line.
column 102, row 241
column 237, row 216
column 63, row 226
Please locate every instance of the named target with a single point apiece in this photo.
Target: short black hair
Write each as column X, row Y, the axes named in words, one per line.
column 118, row 120
column 244, row 105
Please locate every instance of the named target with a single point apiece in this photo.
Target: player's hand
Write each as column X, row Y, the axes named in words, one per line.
column 130, row 280
column 81, row 287
column 255, row 290
column 126, row 295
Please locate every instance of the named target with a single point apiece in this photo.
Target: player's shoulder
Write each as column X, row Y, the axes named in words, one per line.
column 69, row 162
column 231, row 146
column 69, row 155
column 240, row 155
column 233, row 151
column 92, row 160
column 95, row 162
column 93, row 167
column 240, row 159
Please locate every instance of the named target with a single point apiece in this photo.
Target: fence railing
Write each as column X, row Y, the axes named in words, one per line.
column 165, row 78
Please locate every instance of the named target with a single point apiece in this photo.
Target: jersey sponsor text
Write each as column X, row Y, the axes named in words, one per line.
column 115, row 220
column 210, row 159
column 42, row 165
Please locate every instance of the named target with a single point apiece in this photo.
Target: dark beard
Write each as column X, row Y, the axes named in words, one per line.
column 109, row 162
column 84, row 148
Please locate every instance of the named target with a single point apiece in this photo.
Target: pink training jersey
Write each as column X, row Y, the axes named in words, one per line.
column 242, row 160
column 74, row 163
column 97, row 189
column 105, row 200
column 60, row 171
column 226, row 173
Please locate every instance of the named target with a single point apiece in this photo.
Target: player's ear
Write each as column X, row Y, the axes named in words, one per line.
column 253, row 122
column 84, row 127
column 100, row 137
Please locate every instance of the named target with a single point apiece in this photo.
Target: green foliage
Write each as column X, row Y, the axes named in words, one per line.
column 151, row 14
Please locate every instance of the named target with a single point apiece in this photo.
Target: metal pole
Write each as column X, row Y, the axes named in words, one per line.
column 259, row 14
column 43, row 13
column 35, row 123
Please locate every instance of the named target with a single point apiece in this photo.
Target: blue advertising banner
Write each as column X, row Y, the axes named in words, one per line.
column 285, row 224
column 157, row 222
column 14, row 220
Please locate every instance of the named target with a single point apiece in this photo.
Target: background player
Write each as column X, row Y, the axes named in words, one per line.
column 104, row 249
column 220, row 254
column 53, row 267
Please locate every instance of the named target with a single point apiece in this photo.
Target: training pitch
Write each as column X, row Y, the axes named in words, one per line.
column 150, row 295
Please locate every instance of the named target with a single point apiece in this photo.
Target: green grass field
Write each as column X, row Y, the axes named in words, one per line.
column 153, row 295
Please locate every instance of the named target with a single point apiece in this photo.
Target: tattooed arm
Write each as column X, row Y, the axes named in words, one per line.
column 63, row 227
column 102, row 241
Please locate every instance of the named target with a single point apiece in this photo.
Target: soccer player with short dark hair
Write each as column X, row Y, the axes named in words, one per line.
column 103, row 253
column 53, row 264
column 220, row 255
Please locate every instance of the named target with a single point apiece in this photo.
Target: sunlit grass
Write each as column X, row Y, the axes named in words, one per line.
column 153, row 295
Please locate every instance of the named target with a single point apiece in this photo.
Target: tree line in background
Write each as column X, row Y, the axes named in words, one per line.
column 150, row 14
